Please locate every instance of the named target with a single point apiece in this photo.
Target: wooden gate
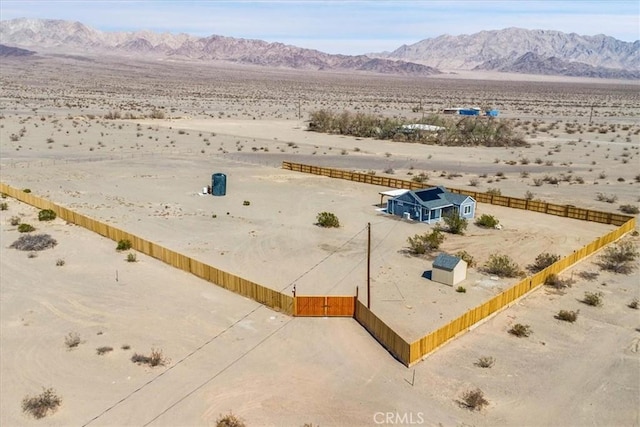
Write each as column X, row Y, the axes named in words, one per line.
column 324, row 306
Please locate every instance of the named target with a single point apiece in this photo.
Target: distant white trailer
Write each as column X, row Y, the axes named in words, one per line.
column 420, row 127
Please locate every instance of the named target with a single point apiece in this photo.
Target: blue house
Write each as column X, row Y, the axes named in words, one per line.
column 430, row 204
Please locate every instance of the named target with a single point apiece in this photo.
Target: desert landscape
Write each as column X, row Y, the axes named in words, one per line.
column 132, row 142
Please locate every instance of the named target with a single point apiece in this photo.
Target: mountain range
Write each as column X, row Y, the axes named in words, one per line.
column 509, row 50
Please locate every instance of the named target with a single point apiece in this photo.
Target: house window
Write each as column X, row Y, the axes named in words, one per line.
column 467, row 210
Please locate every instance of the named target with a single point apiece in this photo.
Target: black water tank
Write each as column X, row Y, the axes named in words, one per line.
column 218, row 184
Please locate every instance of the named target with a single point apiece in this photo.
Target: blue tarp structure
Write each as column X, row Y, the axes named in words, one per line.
column 492, row 113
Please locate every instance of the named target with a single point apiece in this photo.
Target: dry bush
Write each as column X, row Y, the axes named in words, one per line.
column 427, row 242
column 543, row 261
column 466, row 257
column 327, row 220
column 156, row 358
column 131, row 257
column 41, row 405
column 487, row 221
column 555, row 281
column 588, row 275
column 230, row 420
column 26, row 228
column 123, row 245
column 485, row 362
column 634, row 303
column 103, row 350
column 474, row 400
column 619, row 257
column 520, row 330
column 567, row 316
column 606, row 198
column 629, row 209
column 14, row 220
column 593, row 298
column 34, row 242
column 502, row 266
column 455, row 224
column 4, row 206
column 72, row 340
column 46, row 215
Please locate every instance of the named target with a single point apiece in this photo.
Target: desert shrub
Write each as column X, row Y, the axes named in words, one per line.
column 60, row 262
column 103, row 350
column 156, row 358
column 529, row 195
column 26, row 228
column 487, row 221
column 27, row 190
column 567, row 316
column 455, row 224
column 543, row 261
column 125, row 347
column 421, row 178
column 131, row 257
column 72, row 340
column 466, row 257
column 327, row 219
column 485, row 362
column 474, row 400
column 461, row 289
column 123, row 245
column 629, row 209
column 619, row 258
column 427, row 242
column 557, row 282
column 34, row 242
column 502, row 265
column 14, row 220
column 41, row 405
column 230, row 420
column 113, row 115
column 494, row 192
column 606, row 198
column 520, row 330
column 46, row 215
column 157, row 114
column 4, row 206
column 246, row 203
column 634, row 303
column 593, row 298
column 588, row 275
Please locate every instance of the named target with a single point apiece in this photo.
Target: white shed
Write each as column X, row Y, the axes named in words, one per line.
column 449, row 270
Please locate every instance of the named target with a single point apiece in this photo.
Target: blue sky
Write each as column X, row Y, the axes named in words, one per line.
column 348, row 27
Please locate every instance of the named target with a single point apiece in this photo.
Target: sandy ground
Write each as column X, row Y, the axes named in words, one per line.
column 230, row 354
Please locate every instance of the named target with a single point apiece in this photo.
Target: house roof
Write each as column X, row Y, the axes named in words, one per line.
column 438, row 197
column 446, row 262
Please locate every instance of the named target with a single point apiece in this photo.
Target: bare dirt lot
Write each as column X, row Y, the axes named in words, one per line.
column 230, row 354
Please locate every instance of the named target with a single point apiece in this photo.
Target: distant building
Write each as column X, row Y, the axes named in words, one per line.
column 449, row 270
column 430, row 204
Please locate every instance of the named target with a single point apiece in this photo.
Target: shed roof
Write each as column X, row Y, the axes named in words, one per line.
column 393, row 193
column 446, row 262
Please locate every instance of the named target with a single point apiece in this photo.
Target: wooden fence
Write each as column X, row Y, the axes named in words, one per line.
column 387, row 337
column 238, row 285
column 568, row 211
column 406, row 353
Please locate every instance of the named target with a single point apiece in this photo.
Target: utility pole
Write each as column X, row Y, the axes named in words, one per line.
column 369, row 265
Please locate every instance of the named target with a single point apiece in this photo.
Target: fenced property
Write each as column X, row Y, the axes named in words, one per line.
column 350, row 306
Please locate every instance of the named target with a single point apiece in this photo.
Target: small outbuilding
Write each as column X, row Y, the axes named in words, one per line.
column 449, row 270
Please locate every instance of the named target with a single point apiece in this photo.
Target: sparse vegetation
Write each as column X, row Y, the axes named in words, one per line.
column 455, row 223
column 629, row 209
column 520, row 330
column 230, row 420
column 60, row 262
column 72, row 340
column 327, row 220
column 34, row 242
column 543, row 261
column 466, row 257
column 15, row 220
column 567, row 316
column 474, row 400
column 606, row 198
column 593, row 298
column 43, row 404
column 246, row 203
column 461, row 289
column 502, row 265
column 4, row 206
column 634, row 303
column 494, row 192
column 485, row 362
column 26, row 228
column 131, row 257
column 423, row 243
column 156, row 358
column 555, row 281
column 103, row 350
column 619, row 257
column 123, row 245
column 487, row 221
